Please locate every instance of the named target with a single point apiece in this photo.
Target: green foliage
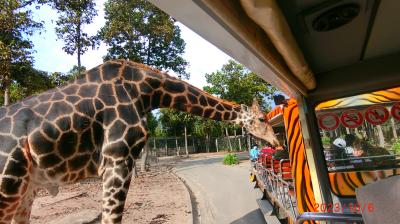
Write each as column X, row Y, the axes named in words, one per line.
column 73, row 15
column 230, row 159
column 75, row 71
column 29, row 81
column 152, row 124
column 141, row 32
column 16, row 25
column 396, row 146
column 235, row 83
column 173, row 122
column 326, row 141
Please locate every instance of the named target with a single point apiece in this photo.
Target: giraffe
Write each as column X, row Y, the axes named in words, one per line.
column 93, row 126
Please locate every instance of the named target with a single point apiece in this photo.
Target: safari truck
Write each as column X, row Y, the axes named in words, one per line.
column 338, row 62
column 373, row 122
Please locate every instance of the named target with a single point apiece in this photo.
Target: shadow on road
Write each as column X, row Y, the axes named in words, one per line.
column 253, row 217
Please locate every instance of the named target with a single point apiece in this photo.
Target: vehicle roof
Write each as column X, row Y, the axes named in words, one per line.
column 280, row 42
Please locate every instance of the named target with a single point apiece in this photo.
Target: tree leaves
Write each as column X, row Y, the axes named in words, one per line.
column 73, row 15
column 138, row 31
column 235, row 83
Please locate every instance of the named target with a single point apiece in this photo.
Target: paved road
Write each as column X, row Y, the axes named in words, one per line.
column 223, row 193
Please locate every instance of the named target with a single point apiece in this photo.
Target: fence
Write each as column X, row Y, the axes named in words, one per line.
column 172, row 146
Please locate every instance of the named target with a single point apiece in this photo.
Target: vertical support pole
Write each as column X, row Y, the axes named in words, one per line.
column 314, row 152
column 216, row 144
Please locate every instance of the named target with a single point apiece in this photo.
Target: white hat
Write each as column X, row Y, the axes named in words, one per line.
column 340, row 143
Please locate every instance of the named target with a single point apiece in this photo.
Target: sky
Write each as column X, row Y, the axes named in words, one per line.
column 202, row 56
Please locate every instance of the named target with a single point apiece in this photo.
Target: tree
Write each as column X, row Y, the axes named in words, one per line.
column 236, row 83
column 138, row 31
column 16, row 25
column 73, row 15
column 29, row 81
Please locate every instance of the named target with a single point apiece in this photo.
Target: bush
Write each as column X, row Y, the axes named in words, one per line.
column 326, row 141
column 396, row 146
column 230, row 159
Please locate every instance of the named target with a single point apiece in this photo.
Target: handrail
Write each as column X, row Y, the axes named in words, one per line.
column 315, row 216
column 364, row 157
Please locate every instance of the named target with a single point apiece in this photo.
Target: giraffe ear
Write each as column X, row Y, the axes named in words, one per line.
column 255, row 107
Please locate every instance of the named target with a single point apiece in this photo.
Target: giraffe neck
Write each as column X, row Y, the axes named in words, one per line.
column 160, row 90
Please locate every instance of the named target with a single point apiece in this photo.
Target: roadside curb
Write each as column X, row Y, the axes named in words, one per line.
column 191, row 199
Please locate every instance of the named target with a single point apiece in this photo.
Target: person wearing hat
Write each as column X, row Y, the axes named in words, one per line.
column 339, row 146
column 254, row 153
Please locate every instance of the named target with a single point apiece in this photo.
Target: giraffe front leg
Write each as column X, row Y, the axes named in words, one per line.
column 116, row 180
column 24, row 209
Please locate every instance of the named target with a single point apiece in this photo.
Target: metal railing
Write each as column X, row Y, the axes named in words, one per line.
column 336, row 217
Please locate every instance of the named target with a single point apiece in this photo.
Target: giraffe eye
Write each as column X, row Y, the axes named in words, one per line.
column 261, row 119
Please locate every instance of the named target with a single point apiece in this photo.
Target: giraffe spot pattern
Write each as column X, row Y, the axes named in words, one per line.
column 67, row 144
column 5, row 125
column 96, row 118
column 132, row 74
column 87, row 91
column 40, row 144
column 174, row 87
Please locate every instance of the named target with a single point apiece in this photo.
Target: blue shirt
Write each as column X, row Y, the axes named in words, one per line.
column 254, row 153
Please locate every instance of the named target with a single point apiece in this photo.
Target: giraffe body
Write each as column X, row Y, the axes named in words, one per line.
column 94, row 125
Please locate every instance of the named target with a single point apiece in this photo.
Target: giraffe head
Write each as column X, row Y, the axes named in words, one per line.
column 254, row 120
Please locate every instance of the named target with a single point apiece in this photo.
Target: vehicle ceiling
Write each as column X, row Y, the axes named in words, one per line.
column 362, row 55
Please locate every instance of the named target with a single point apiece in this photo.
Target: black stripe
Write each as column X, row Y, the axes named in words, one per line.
column 352, row 182
column 360, row 178
column 345, row 179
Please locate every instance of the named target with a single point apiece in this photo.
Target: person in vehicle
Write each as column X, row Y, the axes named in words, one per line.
column 254, row 153
column 268, row 149
column 362, row 148
column 339, row 146
column 281, row 153
column 349, row 139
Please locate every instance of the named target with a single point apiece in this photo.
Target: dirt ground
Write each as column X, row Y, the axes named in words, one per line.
column 155, row 197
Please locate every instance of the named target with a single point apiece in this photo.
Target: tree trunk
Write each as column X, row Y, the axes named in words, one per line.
column 229, row 141
column 186, row 142
column 380, row 136
column 144, row 158
column 393, row 128
column 79, row 61
column 6, row 94
column 78, row 30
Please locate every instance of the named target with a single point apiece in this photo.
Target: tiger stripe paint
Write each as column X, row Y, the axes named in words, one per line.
column 343, row 184
column 305, row 199
column 302, row 179
column 383, row 96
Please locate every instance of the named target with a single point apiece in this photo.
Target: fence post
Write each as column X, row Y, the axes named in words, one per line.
column 177, row 150
column 240, row 145
column 194, row 150
column 166, row 147
column 216, row 143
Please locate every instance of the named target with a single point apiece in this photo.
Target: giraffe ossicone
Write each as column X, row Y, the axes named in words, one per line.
column 95, row 125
